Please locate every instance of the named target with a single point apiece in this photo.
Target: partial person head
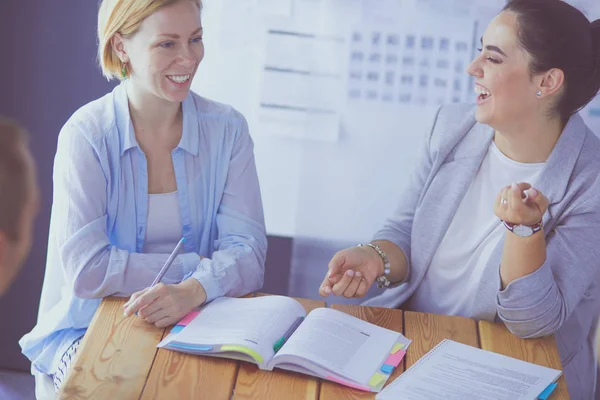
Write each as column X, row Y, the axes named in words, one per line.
column 538, row 57
column 19, row 199
column 157, row 44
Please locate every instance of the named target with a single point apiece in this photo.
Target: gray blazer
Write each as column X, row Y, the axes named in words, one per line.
column 562, row 296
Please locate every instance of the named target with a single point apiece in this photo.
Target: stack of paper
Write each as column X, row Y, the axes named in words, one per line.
column 452, row 370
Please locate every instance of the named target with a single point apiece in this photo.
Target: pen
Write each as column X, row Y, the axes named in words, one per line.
column 279, row 344
column 169, row 261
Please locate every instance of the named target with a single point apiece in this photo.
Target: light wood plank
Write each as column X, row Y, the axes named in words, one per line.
column 252, row 383
column 427, row 330
column 115, row 356
column 179, row 375
column 384, row 317
column 542, row 351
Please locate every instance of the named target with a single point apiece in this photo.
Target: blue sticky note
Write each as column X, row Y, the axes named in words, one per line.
column 387, row 368
column 547, row 392
column 177, row 328
column 190, row 347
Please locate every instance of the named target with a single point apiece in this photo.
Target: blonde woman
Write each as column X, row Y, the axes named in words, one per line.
column 137, row 170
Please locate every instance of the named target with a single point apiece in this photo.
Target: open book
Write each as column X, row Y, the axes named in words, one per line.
column 276, row 332
column 453, row 370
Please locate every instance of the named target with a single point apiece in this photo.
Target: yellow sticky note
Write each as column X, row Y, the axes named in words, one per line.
column 377, row 379
column 245, row 350
column 397, row 347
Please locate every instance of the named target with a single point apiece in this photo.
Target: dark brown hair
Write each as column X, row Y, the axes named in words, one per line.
column 557, row 35
column 13, row 182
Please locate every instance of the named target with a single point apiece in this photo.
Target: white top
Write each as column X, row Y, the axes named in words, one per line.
column 450, row 283
column 163, row 228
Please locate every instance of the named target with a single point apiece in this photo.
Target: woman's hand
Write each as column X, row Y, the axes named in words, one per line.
column 352, row 272
column 164, row 305
column 520, row 203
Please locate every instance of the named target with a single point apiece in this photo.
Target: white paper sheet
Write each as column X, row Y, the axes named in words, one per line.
column 302, row 82
column 457, row 371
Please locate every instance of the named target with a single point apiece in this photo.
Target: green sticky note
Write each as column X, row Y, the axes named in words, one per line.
column 377, row 379
column 245, row 350
column 397, row 347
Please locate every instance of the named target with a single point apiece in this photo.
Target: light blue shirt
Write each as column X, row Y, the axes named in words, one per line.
column 100, row 207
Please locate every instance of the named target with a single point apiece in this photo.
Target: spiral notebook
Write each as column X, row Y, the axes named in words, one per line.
column 458, row 371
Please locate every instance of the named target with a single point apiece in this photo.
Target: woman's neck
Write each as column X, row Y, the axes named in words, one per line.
column 150, row 115
column 530, row 141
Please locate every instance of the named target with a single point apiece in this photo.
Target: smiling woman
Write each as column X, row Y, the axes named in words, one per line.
column 501, row 217
column 161, row 51
column 124, row 18
column 135, row 172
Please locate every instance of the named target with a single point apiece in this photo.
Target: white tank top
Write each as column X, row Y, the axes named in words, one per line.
column 163, row 226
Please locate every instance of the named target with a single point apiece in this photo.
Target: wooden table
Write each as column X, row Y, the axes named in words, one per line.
column 118, row 359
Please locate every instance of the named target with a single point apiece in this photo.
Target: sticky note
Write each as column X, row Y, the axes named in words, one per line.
column 548, row 391
column 397, row 346
column 177, row 328
column 394, row 359
column 377, row 379
column 346, row 383
column 189, row 346
column 387, row 368
column 245, row 350
column 188, row 318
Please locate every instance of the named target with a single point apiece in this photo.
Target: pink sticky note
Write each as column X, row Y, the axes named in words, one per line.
column 188, row 318
column 346, row 383
column 394, row 359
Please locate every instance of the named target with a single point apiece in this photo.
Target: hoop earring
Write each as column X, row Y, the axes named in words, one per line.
column 124, row 70
column 538, row 93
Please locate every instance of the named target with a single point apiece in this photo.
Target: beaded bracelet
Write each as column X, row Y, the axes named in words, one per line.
column 382, row 280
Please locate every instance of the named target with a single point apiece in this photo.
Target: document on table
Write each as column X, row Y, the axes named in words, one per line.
column 457, row 371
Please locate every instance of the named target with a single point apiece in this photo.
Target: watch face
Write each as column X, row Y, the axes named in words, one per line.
column 522, row 230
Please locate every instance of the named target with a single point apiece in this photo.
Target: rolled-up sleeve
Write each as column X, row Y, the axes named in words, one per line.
column 539, row 303
column 237, row 265
column 93, row 266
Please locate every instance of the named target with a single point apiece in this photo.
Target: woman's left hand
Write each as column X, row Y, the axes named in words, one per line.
column 164, row 305
column 520, row 203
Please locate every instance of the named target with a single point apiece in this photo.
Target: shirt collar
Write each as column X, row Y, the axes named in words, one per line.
column 191, row 132
column 189, row 138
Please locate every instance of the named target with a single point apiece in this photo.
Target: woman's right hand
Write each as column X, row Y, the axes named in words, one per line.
column 351, row 272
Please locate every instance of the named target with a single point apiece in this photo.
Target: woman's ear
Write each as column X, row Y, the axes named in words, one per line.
column 118, row 45
column 551, row 82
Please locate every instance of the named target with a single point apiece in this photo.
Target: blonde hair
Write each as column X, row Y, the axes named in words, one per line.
column 124, row 17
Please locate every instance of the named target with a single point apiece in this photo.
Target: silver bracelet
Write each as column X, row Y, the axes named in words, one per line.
column 382, row 280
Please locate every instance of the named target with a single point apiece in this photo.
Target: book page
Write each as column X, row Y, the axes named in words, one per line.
column 257, row 323
column 340, row 343
column 457, row 371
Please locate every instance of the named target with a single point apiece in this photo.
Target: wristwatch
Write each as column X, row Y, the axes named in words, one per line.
column 523, row 230
column 382, row 280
